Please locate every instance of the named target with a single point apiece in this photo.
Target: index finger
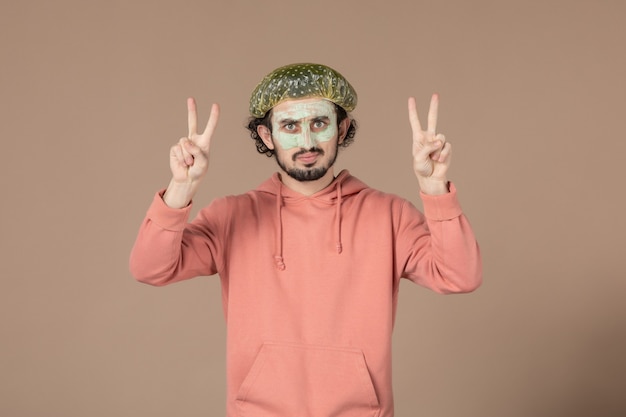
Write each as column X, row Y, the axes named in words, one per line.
column 192, row 117
column 210, row 125
column 413, row 119
column 432, row 113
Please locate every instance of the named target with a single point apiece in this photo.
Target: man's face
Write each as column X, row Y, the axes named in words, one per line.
column 305, row 137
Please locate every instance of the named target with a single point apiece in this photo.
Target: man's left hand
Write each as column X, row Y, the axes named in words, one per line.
column 431, row 152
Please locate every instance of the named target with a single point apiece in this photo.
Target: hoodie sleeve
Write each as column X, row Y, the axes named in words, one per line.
column 439, row 248
column 169, row 249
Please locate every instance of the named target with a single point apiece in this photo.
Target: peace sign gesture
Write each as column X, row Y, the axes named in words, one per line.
column 431, row 153
column 189, row 158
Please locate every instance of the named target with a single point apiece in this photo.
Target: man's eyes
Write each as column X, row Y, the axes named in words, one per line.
column 295, row 127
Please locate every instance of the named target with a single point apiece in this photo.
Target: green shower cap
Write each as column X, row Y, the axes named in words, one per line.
column 301, row 81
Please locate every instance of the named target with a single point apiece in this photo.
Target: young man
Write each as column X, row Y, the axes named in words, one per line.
column 310, row 262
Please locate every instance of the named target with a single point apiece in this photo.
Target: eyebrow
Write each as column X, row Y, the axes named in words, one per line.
column 288, row 121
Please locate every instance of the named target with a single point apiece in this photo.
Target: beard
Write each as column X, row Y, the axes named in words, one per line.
column 309, row 173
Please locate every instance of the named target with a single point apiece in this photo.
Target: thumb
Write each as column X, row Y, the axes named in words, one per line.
column 192, row 148
column 200, row 157
column 428, row 148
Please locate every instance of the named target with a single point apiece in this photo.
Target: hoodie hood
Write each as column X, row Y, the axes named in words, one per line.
column 342, row 186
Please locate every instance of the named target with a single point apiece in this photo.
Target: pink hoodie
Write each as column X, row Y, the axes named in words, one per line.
column 310, row 286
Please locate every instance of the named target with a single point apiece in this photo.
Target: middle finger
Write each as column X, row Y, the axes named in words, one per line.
column 432, row 114
column 192, row 117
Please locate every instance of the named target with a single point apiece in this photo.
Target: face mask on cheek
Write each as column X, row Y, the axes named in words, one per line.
column 304, row 115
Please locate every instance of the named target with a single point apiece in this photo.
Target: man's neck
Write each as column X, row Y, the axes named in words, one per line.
column 307, row 187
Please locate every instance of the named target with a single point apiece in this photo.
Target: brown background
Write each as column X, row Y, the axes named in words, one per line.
column 533, row 93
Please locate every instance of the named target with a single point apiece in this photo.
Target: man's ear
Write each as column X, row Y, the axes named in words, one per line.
column 343, row 129
column 266, row 136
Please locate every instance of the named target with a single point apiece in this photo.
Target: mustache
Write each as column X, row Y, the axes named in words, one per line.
column 303, row 151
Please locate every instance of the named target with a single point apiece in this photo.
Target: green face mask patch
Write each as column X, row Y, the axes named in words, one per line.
column 304, row 124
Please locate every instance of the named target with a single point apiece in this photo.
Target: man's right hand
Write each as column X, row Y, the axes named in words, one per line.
column 189, row 158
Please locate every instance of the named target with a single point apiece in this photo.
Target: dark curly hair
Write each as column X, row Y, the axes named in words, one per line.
column 266, row 121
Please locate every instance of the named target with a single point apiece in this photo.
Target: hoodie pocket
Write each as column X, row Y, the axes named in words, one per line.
column 289, row 380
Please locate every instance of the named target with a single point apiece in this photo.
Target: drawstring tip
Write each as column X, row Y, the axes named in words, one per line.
column 339, row 247
column 279, row 263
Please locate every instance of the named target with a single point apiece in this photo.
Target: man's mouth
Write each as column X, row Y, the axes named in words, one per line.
column 308, row 156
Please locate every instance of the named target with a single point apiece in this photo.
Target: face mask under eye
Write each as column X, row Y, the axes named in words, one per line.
column 304, row 124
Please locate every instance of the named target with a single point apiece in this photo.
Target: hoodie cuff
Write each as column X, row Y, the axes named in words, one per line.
column 441, row 207
column 166, row 217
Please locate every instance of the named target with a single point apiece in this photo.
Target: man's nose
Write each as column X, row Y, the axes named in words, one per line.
column 307, row 139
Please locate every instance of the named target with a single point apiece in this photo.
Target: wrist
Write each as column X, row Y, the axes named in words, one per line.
column 179, row 194
column 434, row 186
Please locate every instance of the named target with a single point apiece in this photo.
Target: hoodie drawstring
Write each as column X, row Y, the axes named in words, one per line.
column 278, row 258
column 338, row 218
